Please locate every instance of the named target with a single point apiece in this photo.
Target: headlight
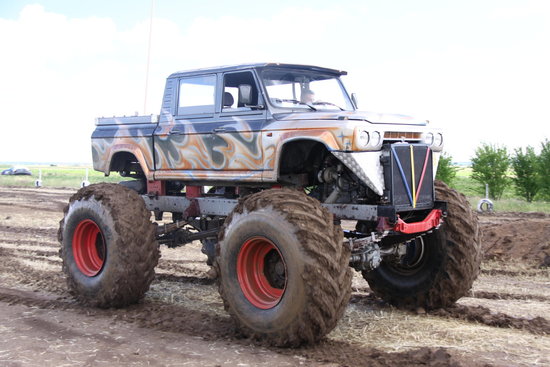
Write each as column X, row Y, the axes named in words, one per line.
column 438, row 140
column 429, row 139
column 375, row 139
column 367, row 140
column 363, row 139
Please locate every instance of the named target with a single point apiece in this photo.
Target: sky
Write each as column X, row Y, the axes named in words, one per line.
column 478, row 69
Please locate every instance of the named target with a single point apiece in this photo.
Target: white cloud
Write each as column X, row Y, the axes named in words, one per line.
column 59, row 73
column 527, row 9
column 55, row 79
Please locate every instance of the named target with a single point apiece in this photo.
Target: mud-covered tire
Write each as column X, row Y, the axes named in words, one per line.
column 448, row 266
column 312, row 285
column 108, row 246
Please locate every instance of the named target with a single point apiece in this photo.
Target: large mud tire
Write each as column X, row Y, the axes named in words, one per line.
column 314, row 290
column 449, row 265
column 108, row 246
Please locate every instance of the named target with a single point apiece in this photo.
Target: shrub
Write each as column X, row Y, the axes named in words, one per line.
column 526, row 169
column 544, row 170
column 489, row 166
column 446, row 172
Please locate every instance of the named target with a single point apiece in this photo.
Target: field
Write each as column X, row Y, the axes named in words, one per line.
column 57, row 176
column 504, row 321
column 508, row 202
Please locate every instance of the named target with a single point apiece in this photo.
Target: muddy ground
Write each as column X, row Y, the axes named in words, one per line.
column 505, row 321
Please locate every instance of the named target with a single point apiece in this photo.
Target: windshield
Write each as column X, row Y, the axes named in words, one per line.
column 304, row 89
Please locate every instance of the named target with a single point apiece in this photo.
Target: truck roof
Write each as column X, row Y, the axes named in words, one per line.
column 252, row 66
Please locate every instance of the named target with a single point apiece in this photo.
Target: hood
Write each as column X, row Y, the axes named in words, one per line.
column 372, row 117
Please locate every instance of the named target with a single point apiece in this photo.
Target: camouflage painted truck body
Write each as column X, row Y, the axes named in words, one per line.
column 207, row 135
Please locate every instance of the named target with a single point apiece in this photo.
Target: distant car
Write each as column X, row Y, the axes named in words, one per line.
column 17, row 171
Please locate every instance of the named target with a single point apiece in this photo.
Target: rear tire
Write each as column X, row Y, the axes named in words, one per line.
column 283, row 269
column 443, row 265
column 108, row 246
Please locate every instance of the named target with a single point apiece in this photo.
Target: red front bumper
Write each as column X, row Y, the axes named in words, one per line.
column 432, row 220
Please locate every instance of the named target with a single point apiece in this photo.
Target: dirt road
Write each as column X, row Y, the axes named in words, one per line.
column 504, row 322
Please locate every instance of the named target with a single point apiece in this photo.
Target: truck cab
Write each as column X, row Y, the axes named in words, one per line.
column 271, row 124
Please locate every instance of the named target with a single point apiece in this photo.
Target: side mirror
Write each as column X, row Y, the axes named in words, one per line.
column 354, row 100
column 245, row 94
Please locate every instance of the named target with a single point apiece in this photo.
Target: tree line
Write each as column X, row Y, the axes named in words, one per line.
column 492, row 165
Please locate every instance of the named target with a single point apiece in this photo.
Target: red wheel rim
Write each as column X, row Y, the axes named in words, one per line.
column 261, row 272
column 88, row 248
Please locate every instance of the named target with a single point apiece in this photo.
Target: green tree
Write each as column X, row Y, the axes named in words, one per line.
column 544, row 170
column 489, row 166
column 446, row 172
column 526, row 168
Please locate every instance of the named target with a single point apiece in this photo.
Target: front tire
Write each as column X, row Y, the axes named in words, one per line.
column 108, row 246
column 440, row 267
column 283, row 269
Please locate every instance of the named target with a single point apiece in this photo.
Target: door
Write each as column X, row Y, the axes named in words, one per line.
column 213, row 129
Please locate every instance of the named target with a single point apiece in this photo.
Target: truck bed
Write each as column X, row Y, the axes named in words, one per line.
column 122, row 120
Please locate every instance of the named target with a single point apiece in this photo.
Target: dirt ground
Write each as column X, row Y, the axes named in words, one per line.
column 505, row 321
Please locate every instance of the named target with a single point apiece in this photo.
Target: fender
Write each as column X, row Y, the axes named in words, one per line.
column 274, row 150
column 137, row 152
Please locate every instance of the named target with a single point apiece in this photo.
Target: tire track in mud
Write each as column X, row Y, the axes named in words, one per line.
column 146, row 314
column 40, row 260
column 538, row 325
column 483, row 315
column 52, row 249
column 516, row 273
column 40, row 279
column 487, row 216
column 46, row 232
column 27, row 253
column 177, row 265
column 38, row 256
column 191, row 276
column 168, row 265
column 179, row 319
column 348, row 354
column 365, row 294
column 58, row 208
column 163, row 277
column 508, row 296
column 366, row 299
column 46, row 244
column 30, row 299
column 37, row 202
column 35, row 195
column 182, row 261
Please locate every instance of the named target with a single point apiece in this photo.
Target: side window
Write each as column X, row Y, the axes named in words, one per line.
column 197, row 95
column 231, row 100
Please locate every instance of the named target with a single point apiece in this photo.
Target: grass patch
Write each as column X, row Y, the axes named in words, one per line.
column 509, row 201
column 514, row 205
column 58, row 176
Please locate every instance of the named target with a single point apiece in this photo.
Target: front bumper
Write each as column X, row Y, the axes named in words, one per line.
column 375, row 212
column 389, row 220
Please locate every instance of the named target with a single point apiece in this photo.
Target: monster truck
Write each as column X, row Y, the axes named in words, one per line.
column 264, row 177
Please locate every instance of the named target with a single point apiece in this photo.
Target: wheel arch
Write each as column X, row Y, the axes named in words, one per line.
column 301, row 156
column 121, row 159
